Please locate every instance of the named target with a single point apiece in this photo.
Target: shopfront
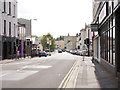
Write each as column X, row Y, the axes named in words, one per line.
column 0, row 47
column 8, row 47
column 109, row 32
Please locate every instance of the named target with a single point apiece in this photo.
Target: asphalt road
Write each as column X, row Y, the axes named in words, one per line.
column 44, row 72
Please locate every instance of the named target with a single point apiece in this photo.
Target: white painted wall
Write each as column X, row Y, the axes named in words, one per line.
column 9, row 18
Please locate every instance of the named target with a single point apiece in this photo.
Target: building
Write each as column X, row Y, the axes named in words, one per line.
column 84, row 40
column 8, row 28
column 27, row 24
column 60, row 44
column 21, row 40
column 106, row 42
column 78, row 35
column 39, row 43
column 83, row 36
column 70, row 42
column 0, row 30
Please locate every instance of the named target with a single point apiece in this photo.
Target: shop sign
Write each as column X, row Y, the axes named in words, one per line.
column 94, row 27
column 102, row 13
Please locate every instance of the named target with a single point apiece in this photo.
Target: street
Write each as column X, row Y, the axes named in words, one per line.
column 44, row 72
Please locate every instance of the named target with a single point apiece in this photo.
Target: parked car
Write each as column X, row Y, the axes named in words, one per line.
column 59, row 51
column 48, row 52
column 78, row 52
column 63, row 50
column 42, row 53
column 67, row 50
column 73, row 52
column 84, row 52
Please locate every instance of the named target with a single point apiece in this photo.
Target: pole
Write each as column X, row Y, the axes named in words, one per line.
column 88, row 42
column 49, row 47
column 31, row 35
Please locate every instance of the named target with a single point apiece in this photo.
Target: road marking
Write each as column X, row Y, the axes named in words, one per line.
column 37, row 66
column 4, row 75
column 67, row 77
column 18, row 75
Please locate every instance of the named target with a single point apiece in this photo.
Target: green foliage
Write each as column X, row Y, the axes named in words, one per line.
column 44, row 41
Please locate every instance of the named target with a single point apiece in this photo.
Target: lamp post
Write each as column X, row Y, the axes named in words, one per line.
column 31, row 32
column 49, row 42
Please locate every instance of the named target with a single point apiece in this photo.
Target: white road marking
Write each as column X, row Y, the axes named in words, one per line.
column 4, row 75
column 17, row 75
column 36, row 66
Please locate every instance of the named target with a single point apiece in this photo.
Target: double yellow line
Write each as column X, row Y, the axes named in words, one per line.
column 66, row 79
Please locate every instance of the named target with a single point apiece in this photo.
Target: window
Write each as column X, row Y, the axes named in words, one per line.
column 108, row 40
column 14, row 10
column 14, row 30
column 4, row 27
column 108, row 46
column 110, row 7
column 4, row 6
column 9, row 8
column 9, row 28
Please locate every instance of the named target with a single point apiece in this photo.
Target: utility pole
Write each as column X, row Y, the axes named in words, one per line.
column 88, row 42
column 31, row 33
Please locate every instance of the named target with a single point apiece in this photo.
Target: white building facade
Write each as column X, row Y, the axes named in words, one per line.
column 8, row 14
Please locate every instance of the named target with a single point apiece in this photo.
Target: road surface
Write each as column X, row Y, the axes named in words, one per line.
column 44, row 72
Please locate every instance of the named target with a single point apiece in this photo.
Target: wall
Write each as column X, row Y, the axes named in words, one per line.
column 10, row 18
column 27, row 24
column 72, row 43
column 60, row 44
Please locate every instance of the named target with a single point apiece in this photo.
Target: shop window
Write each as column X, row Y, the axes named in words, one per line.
column 114, row 46
column 108, row 45
column 106, row 53
column 111, row 54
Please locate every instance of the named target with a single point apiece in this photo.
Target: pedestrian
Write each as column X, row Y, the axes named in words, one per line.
column 24, row 54
column 18, row 54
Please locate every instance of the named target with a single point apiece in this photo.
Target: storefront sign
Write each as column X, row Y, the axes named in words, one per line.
column 102, row 13
column 94, row 27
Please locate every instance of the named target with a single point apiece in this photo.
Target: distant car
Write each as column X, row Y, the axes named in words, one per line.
column 42, row 53
column 48, row 52
column 59, row 51
column 78, row 52
column 63, row 50
column 73, row 52
column 84, row 52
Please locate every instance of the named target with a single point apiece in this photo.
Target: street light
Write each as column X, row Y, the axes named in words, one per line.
column 31, row 32
column 49, row 42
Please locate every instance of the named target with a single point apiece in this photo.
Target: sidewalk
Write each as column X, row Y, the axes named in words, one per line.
column 92, row 75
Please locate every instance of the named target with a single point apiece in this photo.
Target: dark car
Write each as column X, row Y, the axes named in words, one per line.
column 42, row 53
column 59, row 51
column 63, row 50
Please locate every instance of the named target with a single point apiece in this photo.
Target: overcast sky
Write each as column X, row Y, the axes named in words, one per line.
column 58, row 17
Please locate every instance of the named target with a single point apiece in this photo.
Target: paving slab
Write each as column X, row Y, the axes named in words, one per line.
column 94, row 76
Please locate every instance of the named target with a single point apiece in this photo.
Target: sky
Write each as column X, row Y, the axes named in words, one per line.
column 58, row 17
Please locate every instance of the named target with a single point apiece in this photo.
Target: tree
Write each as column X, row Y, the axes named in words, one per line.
column 45, row 41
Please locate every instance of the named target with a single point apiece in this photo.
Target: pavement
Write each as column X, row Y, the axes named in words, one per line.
column 91, row 75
